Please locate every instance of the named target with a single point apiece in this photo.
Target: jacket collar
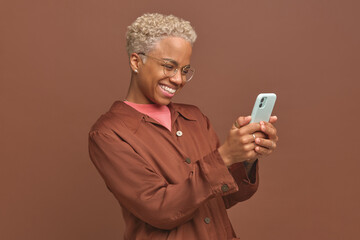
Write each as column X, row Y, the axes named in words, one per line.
column 133, row 118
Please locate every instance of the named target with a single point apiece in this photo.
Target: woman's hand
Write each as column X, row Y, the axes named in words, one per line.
column 240, row 144
column 267, row 144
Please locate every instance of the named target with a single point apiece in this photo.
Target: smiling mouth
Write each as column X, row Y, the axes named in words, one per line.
column 168, row 89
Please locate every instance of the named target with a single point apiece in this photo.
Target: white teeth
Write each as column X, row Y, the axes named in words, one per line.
column 166, row 88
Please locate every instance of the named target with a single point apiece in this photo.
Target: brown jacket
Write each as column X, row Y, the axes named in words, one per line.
column 170, row 185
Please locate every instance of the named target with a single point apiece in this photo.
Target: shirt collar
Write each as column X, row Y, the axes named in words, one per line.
column 182, row 110
column 133, row 118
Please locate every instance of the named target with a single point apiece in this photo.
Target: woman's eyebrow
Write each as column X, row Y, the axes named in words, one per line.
column 174, row 62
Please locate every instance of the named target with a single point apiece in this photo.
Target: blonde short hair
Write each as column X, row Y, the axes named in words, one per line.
column 149, row 28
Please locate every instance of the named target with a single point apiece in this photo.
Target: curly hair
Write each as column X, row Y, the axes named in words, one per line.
column 150, row 28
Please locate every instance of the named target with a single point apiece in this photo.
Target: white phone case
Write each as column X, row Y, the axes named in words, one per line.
column 263, row 107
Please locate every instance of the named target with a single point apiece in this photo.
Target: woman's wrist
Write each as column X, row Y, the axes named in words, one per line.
column 251, row 161
column 224, row 156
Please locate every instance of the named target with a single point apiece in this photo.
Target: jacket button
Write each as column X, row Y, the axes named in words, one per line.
column 207, row 220
column 188, row 160
column 179, row 133
column 225, row 188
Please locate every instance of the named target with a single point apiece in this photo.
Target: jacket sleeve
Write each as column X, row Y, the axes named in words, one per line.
column 145, row 193
column 246, row 185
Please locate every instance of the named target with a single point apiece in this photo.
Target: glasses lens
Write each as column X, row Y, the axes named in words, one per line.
column 189, row 73
column 169, row 70
column 186, row 73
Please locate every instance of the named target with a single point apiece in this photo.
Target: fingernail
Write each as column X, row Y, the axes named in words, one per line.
column 257, row 140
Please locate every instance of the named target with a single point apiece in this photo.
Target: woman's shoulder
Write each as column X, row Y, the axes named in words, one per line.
column 118, row 117
column 103, row 123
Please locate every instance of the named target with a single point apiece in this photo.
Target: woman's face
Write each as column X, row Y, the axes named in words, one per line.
column 150, row 85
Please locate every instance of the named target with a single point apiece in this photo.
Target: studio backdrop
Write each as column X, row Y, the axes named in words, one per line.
column 63, row 63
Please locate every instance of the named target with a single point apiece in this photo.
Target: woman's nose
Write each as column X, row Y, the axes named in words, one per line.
column 177, row 78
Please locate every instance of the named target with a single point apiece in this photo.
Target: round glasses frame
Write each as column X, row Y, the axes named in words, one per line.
column 171, row 70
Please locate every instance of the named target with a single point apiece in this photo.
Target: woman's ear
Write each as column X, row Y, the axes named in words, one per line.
column 135, row 62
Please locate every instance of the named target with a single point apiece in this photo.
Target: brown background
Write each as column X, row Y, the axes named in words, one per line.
column 63, row 63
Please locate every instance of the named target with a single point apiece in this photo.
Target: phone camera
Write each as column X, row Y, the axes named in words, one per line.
column 260, row 105
column 262, row 100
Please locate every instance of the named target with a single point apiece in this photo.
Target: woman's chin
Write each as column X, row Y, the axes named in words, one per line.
column 162, row 101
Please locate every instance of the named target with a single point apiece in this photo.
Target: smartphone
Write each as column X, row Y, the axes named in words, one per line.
column 263, row 107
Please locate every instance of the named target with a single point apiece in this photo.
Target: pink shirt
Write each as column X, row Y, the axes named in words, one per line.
column 158, row 112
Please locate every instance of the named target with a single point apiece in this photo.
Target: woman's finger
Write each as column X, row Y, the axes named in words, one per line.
column 259, row 135
column 269, row 130
column 242, row 121
column 263, row 151
column 273, row 119
column 250, row 128
column 266, row 143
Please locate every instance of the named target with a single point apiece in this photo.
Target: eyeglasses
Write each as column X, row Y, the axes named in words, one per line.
column 170, row 69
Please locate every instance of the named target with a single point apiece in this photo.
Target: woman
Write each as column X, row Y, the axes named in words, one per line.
column 162, row 160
